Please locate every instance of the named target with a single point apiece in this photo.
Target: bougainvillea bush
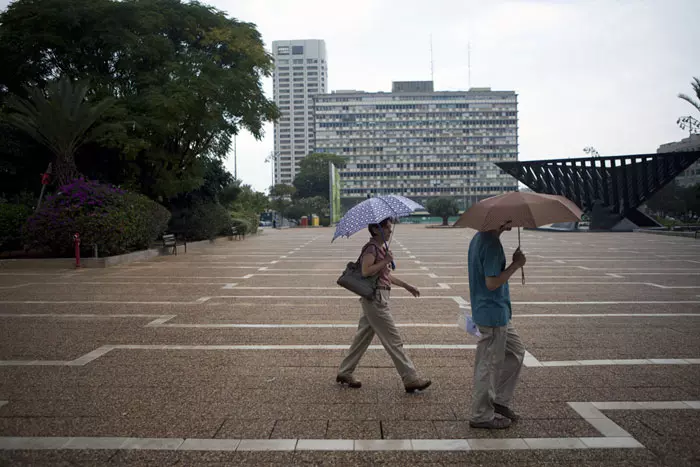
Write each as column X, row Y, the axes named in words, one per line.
column 115, row 220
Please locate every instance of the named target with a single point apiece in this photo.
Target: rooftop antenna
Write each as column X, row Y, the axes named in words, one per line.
column 469, row 64
column 431, row 57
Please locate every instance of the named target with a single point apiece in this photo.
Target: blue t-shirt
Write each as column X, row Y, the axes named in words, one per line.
column 487, row 258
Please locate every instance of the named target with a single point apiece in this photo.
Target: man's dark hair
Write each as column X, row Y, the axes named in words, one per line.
column 375, row 227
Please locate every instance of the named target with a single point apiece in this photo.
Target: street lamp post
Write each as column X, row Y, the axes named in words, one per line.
column 690, row 123
column 591, row 151
column 272, row 158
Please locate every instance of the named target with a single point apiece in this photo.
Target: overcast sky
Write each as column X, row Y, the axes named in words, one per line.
column 587, row 73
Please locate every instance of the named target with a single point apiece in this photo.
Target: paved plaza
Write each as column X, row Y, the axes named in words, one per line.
column 227, row 355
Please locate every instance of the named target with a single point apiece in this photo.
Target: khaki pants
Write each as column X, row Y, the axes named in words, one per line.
column 499, row 359
column 376, row 319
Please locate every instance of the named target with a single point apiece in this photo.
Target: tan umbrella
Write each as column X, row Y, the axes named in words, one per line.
column 519, row 209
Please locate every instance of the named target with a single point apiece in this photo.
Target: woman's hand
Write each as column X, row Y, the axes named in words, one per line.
column 412, row 290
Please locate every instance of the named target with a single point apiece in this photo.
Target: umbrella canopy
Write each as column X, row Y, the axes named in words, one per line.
column 374, row 211
column 521, row 209
column 370, row 211
column 401, row 205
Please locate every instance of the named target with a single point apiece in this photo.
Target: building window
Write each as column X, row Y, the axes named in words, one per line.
column 311, row 60
column 297, row 50
column 298, row 61
column 283, row 50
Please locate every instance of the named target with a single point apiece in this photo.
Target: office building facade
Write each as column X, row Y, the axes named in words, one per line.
column 301, row 72
column 419, row 143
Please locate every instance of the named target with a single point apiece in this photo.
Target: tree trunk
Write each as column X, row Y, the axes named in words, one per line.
column 65, row 169
column 444, row 220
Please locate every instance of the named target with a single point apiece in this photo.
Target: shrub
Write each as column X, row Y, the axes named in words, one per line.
column 252, row 220
column 12, row 219
column 113, row 219
column 241, row 223
column 201, row 221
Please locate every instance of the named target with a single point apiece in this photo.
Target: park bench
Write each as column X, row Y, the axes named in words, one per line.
column 170, row 241
column 238, row 231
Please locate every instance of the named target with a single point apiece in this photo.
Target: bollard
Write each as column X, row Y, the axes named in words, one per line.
column 76, row 241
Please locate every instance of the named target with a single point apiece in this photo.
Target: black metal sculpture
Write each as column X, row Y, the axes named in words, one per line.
column 608, row 189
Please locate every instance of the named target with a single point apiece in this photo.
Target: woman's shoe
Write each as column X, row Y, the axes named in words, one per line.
column 418, row 385
column 350, row 380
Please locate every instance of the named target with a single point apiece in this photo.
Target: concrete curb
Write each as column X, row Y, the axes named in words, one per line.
column 106, row 262
column 670, row 233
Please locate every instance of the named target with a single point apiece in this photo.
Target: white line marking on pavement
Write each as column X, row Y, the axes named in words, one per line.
column 530, row 361
column 616, row 276
column 248, row 276
column 614, row 284
column 600, row 315
column 619, row 362
column 262, row 269
column 229, row 286
column 100, row 351
column 613, row 437
column 300, row 287
column 82, row 315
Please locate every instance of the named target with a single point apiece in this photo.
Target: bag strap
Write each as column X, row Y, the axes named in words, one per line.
column 367, row 245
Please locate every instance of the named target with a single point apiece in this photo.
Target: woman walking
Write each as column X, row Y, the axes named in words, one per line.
column 376, row 317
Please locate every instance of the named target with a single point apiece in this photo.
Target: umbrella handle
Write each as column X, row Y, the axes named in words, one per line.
column 393, row 265
column 522, row 272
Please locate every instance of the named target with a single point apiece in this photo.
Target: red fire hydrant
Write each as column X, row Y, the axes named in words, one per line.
column 76, row 241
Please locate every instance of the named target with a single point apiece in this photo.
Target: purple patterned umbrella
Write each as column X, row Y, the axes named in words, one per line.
column 401, row 205
column 370, row 211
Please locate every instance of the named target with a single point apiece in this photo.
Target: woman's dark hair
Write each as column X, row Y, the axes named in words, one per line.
column 375, row 227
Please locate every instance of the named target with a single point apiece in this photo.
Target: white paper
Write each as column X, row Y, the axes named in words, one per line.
column 466, row 323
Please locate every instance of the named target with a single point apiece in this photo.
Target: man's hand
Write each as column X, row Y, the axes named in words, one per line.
column 519, row 258
column 412, row 290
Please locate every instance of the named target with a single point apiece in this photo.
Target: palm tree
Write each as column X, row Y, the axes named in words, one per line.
column 696, row 87
column 61, row 119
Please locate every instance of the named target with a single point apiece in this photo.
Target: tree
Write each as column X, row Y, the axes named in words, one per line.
column 61, row 120
column 281, row 198
column 675, row 200
column 249, row 200
column 313, row 178
column 307, row 206
column 282, row 190
column 186, row 78
column 696, row 88
column 442, row 207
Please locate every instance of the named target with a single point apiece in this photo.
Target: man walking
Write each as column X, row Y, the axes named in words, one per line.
column 500, row 352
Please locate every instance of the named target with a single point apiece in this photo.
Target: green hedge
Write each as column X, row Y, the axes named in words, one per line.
column 201, row 221
column 115, row 220
column 250, row 221
column 12, row 219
